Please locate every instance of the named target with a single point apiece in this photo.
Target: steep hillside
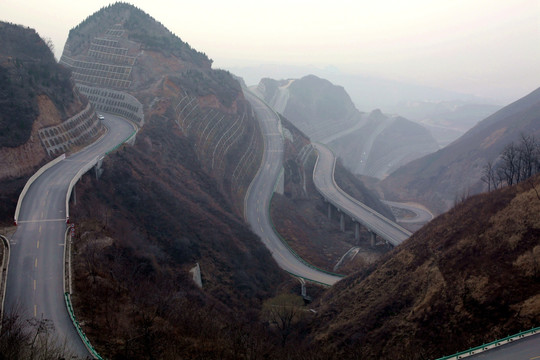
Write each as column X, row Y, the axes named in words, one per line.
column 170, row 202
column 438, row 178
column 460, row 281
column 373, row 145
column 41, row 113
column 152, row 216
column 124, row 53
column 380, row 144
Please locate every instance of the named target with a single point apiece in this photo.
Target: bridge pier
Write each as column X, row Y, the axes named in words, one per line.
column 97, row 168
column 373, row 238
column 342, row 222
column 356, row 231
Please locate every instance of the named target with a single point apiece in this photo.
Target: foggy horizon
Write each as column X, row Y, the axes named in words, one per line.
column 490, row 49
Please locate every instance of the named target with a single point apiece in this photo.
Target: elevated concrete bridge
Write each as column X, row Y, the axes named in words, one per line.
column 360, row 214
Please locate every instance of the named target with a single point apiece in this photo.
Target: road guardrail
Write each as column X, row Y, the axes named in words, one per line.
column 491, row 345
column 31, row 181
column 3, row 278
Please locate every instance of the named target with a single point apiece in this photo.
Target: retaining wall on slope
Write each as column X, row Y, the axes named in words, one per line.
column 114, row 102
column 227, row 144
column 76, row 130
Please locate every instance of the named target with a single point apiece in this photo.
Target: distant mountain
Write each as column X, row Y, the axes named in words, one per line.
column 446, row 120
column 316, row 106
column 42, row 115
column 379, row 144
column 438, row 178
column 373, row 144
column 367, row 92
column 466, row 278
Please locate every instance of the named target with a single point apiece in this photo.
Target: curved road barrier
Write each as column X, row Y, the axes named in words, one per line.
column 31, row 181
column 81, row 333
column 36, row 280
column 492, row 345
column 3, row 279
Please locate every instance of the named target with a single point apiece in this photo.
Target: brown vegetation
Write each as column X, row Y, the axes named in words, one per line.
column 152, row 215
column 471, row 274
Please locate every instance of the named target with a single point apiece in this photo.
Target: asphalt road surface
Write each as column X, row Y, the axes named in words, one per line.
column 260, row 194
column 323, row 177
column 35, row 278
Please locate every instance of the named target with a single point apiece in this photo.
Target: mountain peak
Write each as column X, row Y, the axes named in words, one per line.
column 125, row 21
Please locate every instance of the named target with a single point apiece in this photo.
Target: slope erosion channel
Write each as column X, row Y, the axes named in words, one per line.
column 35, row 280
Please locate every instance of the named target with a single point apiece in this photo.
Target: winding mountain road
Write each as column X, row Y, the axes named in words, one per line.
column 257, row 203
column 422, row 214
column 35, row 278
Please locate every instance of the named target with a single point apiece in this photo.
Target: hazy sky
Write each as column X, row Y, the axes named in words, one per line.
column 489, row 48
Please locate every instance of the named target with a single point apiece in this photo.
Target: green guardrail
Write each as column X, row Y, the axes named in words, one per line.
column 85, row 340
column 491, row 345
column 122, row 142
column 67, row 296
column 282, row 239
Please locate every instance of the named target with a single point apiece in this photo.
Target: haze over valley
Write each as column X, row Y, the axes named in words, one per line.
column 301, row 181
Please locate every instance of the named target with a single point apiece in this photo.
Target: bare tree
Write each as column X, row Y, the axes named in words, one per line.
column 283, row 312
column 528, row 148
column 488, row 175
column 30, row 339
column 510, row 165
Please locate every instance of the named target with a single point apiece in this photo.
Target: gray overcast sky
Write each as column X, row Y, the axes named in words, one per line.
column 489, row 48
